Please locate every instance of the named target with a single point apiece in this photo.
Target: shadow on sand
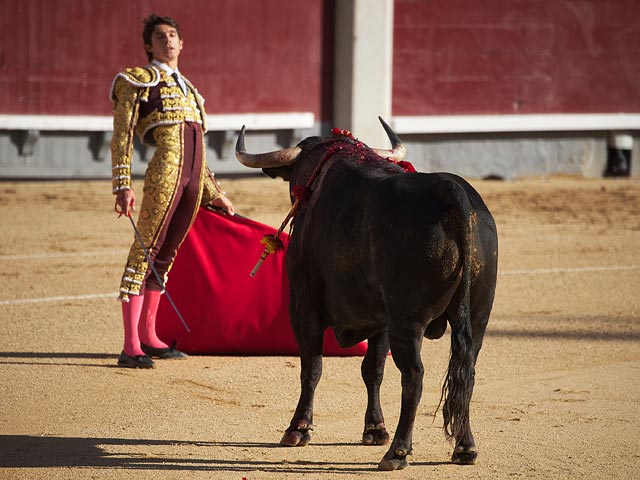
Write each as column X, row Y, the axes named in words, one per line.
column 24, row 451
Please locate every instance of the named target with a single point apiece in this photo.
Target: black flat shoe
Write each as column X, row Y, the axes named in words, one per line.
column 139, row 361
column 167, row 353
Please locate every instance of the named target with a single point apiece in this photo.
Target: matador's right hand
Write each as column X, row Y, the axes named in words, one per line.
column 125, row 202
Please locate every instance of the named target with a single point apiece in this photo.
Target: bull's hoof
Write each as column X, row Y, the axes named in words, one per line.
column 464, row 455
column 394, row 460
column 389, row 464
column 375, row 435
column 295, row 438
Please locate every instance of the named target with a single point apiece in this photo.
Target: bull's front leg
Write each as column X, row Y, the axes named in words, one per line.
column 310, row 344
column 405, row 349
column 375, row 432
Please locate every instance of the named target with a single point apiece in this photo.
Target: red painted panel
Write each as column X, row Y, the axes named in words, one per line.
column 526, row 56
column 450, row 56
column 60, row 56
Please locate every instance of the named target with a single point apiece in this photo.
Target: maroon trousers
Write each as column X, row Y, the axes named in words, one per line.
column 182, row 208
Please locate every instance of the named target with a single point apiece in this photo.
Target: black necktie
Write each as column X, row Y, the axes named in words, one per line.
column 176, row 77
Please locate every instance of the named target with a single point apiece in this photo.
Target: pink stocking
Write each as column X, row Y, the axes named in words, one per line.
column 147, row 327
column 130, row 318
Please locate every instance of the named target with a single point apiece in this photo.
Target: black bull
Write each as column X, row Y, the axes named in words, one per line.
column 381, row 254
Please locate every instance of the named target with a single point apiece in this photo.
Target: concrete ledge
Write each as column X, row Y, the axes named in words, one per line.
column 515, row 123
column 401, row 124
column 78, row 123
column 261, row 121
column 94, row 123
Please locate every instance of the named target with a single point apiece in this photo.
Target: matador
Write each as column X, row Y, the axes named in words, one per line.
column 166, row 112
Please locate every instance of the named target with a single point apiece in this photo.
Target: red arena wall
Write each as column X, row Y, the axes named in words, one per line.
column 60, row 56
column 525, row 56
column 450, row 56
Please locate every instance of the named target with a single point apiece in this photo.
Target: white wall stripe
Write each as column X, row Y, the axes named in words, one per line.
column 515, row 123
column 97, row 123
column 534, row 271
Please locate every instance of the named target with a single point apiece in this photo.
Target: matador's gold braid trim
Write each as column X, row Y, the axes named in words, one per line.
column 203, row 166
column 161, row 182
column 199, row 102
column 171, row 117
column 211, row 190
column 125, row 117
column 132, row 279
column 175, row 108
column 148, row 76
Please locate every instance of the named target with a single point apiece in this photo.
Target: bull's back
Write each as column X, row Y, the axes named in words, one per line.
column 421, row 226
column 380, row 243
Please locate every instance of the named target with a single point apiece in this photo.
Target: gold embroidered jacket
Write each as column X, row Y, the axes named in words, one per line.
column 145, row 98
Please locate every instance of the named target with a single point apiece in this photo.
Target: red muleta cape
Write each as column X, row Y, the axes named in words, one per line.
column 227, row 311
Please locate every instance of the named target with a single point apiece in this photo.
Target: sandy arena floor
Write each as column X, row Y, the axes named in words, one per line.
column 558, row 379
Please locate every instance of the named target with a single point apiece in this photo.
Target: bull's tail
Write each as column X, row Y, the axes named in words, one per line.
column 458, row 385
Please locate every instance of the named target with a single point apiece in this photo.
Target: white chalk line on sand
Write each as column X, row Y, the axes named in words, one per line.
column 68, row 298
column 602, row 268
column 533, row 271
column 44, row 256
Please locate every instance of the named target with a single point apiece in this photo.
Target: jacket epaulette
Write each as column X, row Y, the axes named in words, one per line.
column 148, row 76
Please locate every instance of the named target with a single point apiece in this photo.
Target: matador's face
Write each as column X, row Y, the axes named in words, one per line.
column 166, row 45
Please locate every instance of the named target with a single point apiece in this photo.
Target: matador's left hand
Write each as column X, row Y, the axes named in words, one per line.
column 225, row 204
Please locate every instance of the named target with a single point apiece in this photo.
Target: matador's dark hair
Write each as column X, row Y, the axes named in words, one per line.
column 150, row 24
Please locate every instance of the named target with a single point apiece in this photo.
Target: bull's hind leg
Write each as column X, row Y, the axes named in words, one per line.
column 375, row 432
column 405, row 348
column 310, row 344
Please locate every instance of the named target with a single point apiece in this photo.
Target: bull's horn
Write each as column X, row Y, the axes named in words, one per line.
column 279, row 158
column 398, row 151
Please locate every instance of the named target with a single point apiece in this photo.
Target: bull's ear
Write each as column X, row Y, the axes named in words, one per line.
column 275, row 172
